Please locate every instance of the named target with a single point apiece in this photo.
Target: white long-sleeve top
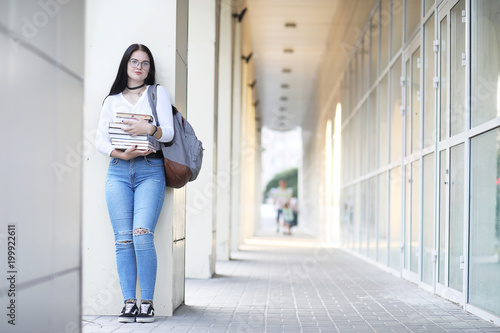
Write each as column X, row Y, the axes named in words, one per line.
column 118, row 103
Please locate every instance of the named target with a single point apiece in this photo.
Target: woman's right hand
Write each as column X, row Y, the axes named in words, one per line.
column 130, row 153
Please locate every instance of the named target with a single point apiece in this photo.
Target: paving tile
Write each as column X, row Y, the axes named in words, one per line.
column 274, row 288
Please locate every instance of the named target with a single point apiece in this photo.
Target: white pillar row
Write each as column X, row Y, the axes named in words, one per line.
column 164, row 31
column 202, row 90
column 224, row 134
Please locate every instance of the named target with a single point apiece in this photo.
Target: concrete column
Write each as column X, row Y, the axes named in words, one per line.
column 177, row 268
column 236, row 139
column 258, row 195
column 164, row 31
column 41, row 98
column 224, row 134
column 202, row 90
column 247, row 159
column 248, row 142
column 244, row 143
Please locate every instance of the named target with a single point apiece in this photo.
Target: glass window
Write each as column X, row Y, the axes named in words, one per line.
column 365, row 63
column 443, row 249
column 360, row 88
column 412, row 220
column 348, row 154
column 344, row 176
column 345, row 96
column 428, row 5
column 372, row 219
column 364, row 123
column 383, row 196
column 429, row 64
column 485, row 83
column 358, row 216
column 413, row 16
column 415, row 101
column 384, row 121
column 407, row 109
column 350, row 227
column 353, row 84
column 344, row 216
column 395, row 219
column 350, row 151
column 348, row 91
column 372, row 143
column 485, row 222
column 457, row 75
column 374, row 54
column 397, row 26
column 396, row 121
column 412, row 108
column 351, row 200
column 415, row 216
column 443, row 79
column 364, row 215
column 428, row 219
column 385, row 20
column 348, row 217
column 356, row 144
column 456, row 216
column 407, row 228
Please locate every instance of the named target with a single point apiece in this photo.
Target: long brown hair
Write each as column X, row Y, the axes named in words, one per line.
column 121, row 77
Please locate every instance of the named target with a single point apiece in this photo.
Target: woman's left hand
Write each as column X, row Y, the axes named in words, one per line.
column 137, row 127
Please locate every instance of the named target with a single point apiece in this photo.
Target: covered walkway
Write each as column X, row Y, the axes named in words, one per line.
column 398, row 107
column 279, row 283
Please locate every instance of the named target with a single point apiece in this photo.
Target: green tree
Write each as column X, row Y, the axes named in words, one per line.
column 291, row 178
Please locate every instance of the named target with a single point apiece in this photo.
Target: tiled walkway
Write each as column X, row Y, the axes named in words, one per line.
column 292, row 284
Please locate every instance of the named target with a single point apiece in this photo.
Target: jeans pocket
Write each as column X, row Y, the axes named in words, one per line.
column 113, row 161
column 154, row 162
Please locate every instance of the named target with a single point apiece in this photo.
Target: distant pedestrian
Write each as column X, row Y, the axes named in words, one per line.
column 288, row 218
column 294, row 205
column 281, row 196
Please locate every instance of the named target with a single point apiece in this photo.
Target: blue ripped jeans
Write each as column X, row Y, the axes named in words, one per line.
column 135, row 191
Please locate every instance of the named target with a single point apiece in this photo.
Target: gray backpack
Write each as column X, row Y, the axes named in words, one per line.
column 182, row 155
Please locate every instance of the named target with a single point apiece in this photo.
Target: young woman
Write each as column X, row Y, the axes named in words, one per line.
column 135, row 183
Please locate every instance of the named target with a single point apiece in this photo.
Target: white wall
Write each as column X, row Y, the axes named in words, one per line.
column 41, row 97
column 111, row 26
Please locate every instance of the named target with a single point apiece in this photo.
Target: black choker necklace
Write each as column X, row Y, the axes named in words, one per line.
column 134, row 88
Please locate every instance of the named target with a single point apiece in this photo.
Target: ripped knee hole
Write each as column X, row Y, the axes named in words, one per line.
column 141, row 231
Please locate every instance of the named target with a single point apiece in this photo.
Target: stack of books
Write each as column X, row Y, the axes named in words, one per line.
column 123, row 140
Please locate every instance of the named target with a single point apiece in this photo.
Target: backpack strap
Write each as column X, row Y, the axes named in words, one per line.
column 152, row 101
column 152, row 97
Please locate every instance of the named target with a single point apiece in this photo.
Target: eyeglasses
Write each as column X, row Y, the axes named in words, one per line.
column 135, row 63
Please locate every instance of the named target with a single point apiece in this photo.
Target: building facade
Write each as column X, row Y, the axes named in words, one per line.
column 414, row 122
